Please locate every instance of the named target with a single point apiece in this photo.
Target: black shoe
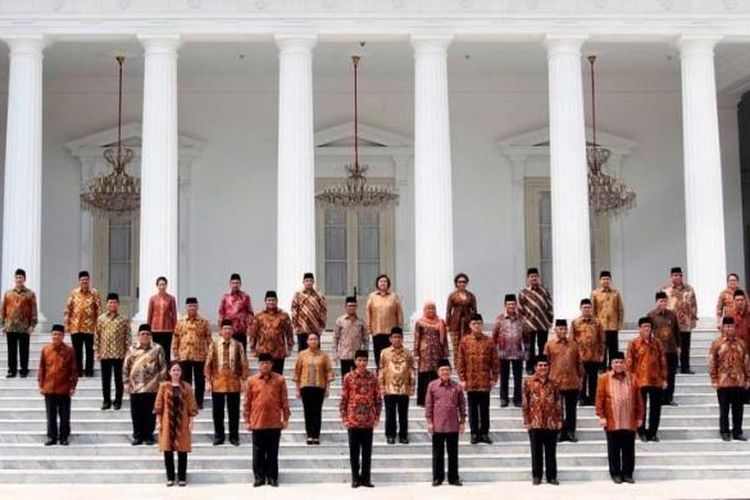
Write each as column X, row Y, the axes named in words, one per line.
column 366, row 484
column 687, row 372
column 316, row 441
column 274, row 483
column 90, row 374
column 136, row 442
column 617, row 479
column 106, row 405
column 643, row 436
column 24, row 373
column 391, row 440
column 117, row 405
column 654, row 438
column 403, row 440
column 457, row 482
column 218, row 441
column 181, row 483
column 200, row 407
column 517, row 404
column 474, row 439
column 10, row 375
column 536, row 481
column 355, row 484
column 149, row 441
column 739, row 437
column 572, row 438
column 234, row 441
column 628, row 480
column 673, row 403
column 259, row 482
column 50, row 442
column 309, row 441
column 64, row 442
column 562, row 437
column 486, row 439
column 503, row 403
column 170, row 483
column 553, row 481
column 436, row 482
column 725, row 436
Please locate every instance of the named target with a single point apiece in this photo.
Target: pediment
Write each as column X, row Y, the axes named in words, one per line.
column 94, row 143
column 342, row 135
column 537, row 142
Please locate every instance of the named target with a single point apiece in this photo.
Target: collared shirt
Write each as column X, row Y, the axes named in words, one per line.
column 429, row 348
column 383, row 312
column 82, row 310
column 58, row 373
column 237, row 308
column 191, row 339
column 360, row 400
column 266, row 401
column 682, row 301
column 313, row 369
column 565, row 363
column 646, row 362
column 309, row 312
column 18, row 312
column 162, row 313
column 396, row 374
column 145, row 368
column 742, row 324
column 226, row 365
column 619, row 401
column 589, row 334
column 728, row 362
column 271, row 333
column 535, row 303
column 542, row 405
column 461, row 305
column 608, row 308
column 478, row 364
column 445, row 406
column 349, row 335
column 725, row 304
column 112, row 337
column 511, row 335
column 666, row 329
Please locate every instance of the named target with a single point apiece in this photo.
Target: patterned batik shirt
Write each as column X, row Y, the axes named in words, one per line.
column 589, row 334
column 309, row 312
column 237, row 308
column 349, row 335
column 271, row 333
column 226, row 366
column 608, row 308
column 18, row 312
column 478, row 364
column 82, row 311
column 729, row 363
column 646, row 361
column 564, row 363
column 396, row 374
column 682, row 301
column 511, row 335
column 112, row 336
column 429, row 348
column 145, row 368
column 191, row 339
column 725, row 304
column 542, row 405
column 666, row 329
column 535, row 304
column 360, row 400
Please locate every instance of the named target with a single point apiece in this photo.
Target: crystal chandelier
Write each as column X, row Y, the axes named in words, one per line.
column 116, row 193
column 607, row 194
column 355, row 192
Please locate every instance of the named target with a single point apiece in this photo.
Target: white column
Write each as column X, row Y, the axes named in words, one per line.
column 433, row 206
column 571, row 250
column 295, row 223
column 704, row 204
column 159, row 167
column 22, row 202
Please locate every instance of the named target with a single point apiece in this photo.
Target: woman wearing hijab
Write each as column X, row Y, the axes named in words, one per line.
column 461, row 305
column 430, row 346
column 175, row 409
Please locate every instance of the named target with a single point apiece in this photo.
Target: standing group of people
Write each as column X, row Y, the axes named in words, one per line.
column 175, row 361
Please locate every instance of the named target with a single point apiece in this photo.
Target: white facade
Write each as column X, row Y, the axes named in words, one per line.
column 505, row 88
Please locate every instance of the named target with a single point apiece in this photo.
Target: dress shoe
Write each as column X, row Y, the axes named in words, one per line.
column 628, row 480
column 24, row 373
column 309, row 441
column 106, row 406
column 259, row 482
column 90, row 374
column 355, row 484
column 316, row 441
column 64, row 442
column 673, row 403
column 739, row 437
column 457, row 482
column 617, row 479
column 654, row 438
column 218, row 441
column 273, row 483
column 504, row 403
column 117, row 405
column 725, row 436
column 536, row 481
column 687, row 372
column 486, row 439
column 391, row 440
column 474, row 439
column 10, row 375
column 572, row 438
column 234, row 441
column 170, row 483
column 403, row 440
column 643, row 436
column 136, row 442
column 50, row 442
column 200, row 407
column 517, row 404
column 553, row 481
column 366, row 484
column 562, row 437
column 436, row 482
column 182, row 483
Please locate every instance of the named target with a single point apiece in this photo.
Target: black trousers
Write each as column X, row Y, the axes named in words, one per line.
column 195, row 368
column 733, row 397
column 396, row 403
column 621, row 453
column 110, row 366
column 347, row 365
column 652, row 399
column 423, row 380
column 538, row 339
column 685, row 351
column 181, row 465
column 18, row 341
column 441, row 441
column 164, row 339
column 543, row 448
column 672, row 359
column 479, row 411
column 506, row 366
column 612, row 345
column 302, row 341
column 379, row 342
column 278, row 366
column 570, row 402
column 142, row 415
column 266, row 453
column 312, row 403
column 591, row 376
column 241, row 337
column 57, row 406
column 233, row 409
column 84, row 342
column 360, row 443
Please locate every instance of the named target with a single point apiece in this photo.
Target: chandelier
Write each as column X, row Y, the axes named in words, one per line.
column 116, row 193
column 607, row 194
column 354, row 191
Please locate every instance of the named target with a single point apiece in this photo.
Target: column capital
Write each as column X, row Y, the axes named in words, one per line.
column 166, row 44
column 26, row 44
column 430, row 44
column 697, row 44
column 295, row 44
column 564, row 44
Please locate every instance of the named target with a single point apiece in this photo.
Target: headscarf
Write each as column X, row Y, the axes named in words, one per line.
column 433, row 320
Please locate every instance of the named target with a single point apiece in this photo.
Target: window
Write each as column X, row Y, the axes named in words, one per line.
column 120, row 236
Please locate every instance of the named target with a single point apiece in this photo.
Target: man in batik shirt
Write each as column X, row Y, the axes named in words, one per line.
column 349, row 336
column 535, row 304
column 271, row 333
column 111, row 343
column 741, row 317
column 511, row 336
column 18, row 315
column 681, row 300
column 588, row 333
column 729, row 369
column 667, row 330
column 396, row 379
column 235, row 306
column 646, row 361
column 309, row 311
column 567, row 371
column 192, row 337
column 81, row 312
column 610, row 310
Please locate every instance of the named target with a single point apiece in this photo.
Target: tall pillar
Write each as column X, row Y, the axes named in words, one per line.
column 704, row 204
column 159, row 168
column 571, row 248
column 433, row 206
column 295, row 233
column 22, row 202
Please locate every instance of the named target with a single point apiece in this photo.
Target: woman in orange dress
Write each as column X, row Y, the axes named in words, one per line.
column 461, row 305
